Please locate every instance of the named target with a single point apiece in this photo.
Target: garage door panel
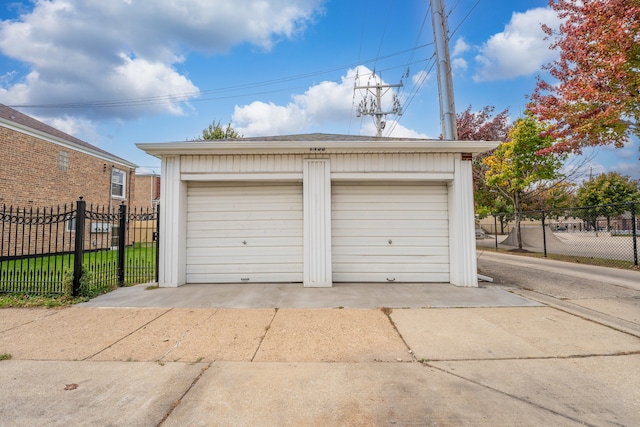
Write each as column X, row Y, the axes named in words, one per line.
column 363, row 277
column 241, row 259
column 247, row 216
column 284, row 227
column 243, row 269
column 344, row 251
column 240, row 232
column 414, row 217
column 431, row 231
column 207, row 233
column 354, row 204
column 396, row 268
column 387, row 259
column 376, row 188
column 222, row 206
column 393, row 218
column 399, row 243
column 256, row 246
column 243, row 278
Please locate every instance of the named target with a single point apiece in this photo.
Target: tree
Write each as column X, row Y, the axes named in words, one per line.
column 215, row 131
column 605, row 196
column 516, row 169
column 596, row 98
column 481, row 126
column 552, row 198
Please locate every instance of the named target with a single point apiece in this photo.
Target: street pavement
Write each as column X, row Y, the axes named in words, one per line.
column 558, row 348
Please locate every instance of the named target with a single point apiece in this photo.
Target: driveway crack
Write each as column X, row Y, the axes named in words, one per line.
column 128, row 335
column 266, row 331
column 521, row 399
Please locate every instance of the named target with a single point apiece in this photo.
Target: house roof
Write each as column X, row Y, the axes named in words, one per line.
column 318, row 143
column 21, row 122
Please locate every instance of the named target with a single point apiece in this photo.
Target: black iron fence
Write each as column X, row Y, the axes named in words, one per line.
column 76, row 249
column 607, row 232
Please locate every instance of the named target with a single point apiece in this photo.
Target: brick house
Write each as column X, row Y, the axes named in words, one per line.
column 43, row 167
column 146, row 194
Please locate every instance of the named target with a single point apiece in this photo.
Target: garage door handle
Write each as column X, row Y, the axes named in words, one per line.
column 391, row 279
column 244, row 242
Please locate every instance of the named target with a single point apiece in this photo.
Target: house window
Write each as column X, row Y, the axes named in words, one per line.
column 118, row 179
column 63, row 161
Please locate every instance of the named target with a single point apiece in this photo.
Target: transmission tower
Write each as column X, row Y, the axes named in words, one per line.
column 371, row 104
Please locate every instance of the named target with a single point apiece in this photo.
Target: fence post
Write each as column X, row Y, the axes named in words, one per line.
column 157, row 243
column 122, row 235
column 544, row 236
column 495, row 229
column 634, row 231
column 78, row 252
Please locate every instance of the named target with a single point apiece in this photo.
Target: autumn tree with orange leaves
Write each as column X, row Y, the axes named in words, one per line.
column 596, row 99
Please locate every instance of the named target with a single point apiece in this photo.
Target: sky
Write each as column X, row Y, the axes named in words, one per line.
column 120, row 72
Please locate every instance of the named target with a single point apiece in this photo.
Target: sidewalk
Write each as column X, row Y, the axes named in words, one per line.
column 615, row 276
column 525, row 364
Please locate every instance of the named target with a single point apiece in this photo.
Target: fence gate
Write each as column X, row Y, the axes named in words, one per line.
column 77, row 249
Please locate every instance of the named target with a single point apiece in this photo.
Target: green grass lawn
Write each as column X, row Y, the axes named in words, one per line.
column 46, row 274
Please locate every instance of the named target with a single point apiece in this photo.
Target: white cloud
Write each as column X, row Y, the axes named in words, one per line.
column 322, row 105
column 520, row 50
column 80, row 128
column 395, row 130
column 420, row 78
column 88, row 50
column 459, row 64
column 460, row 47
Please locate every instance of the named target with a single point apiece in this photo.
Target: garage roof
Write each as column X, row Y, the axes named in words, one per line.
column 317, row 143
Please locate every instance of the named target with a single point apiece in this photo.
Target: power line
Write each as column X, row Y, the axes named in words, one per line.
column 465, row 18
column 188, row 96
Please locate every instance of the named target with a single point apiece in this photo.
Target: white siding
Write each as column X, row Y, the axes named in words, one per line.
column 390, row 232
column 244, row 232
column 292, row 163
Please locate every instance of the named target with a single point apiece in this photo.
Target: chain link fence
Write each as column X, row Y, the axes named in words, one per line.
column 606, row 233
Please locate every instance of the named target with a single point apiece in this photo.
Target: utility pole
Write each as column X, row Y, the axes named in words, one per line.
column 371, row 105
column 445, row 83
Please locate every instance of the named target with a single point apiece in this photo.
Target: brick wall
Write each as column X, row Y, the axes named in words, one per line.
column 30, row 176
column 146, row 192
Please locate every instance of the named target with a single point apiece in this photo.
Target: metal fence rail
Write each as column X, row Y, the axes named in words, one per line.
column 76, row 249
column 607, row 232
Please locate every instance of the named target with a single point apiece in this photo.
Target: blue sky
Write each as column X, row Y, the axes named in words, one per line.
column 118, row 72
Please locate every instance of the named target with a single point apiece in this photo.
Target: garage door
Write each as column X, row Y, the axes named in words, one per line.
column 244, row 232
column 390, row 232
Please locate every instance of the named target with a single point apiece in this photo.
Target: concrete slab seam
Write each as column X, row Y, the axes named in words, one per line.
column 387, row 312
column 266, row 331
column 177, row 402
column 564, row 357
column 127, row 335
column 580, row 312
column 29, row 322
column 521, row 399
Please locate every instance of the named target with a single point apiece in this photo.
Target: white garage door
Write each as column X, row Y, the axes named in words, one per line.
column 395, row 232
column 244, row 232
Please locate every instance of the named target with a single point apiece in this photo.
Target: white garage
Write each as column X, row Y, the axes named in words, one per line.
column 317, row 209
column 393, row 232
column 244, row 232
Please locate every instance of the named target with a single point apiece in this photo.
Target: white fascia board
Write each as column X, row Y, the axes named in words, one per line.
column 66, row 144
column 226, row 147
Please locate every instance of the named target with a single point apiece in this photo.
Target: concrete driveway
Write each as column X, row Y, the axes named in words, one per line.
column 568, row 353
